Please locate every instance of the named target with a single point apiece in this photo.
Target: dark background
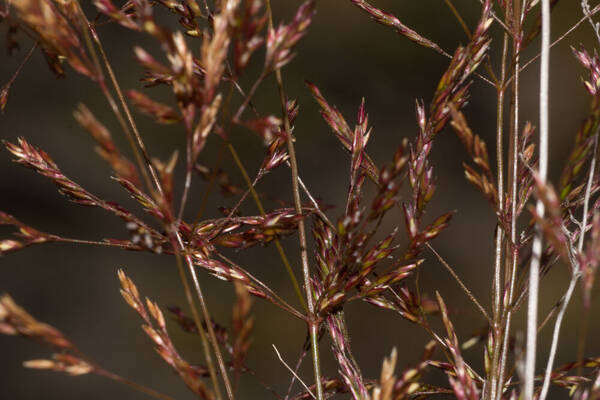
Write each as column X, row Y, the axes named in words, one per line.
column 75, row 288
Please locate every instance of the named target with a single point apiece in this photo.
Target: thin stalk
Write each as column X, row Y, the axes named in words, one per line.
column 461, row 284
column 21, row 65
column 555, row 335
column 585, row 6
column 499, row 236
column 203, row 339
column 111, row 101
column 459, row 18
column 534, row 271
column 134, row 385
column 261, row 209
column 313, row 322
column 318, row 210
column 550, row 315
column 588, row 193
column 500, row 171
column 248, row 97
column 540, row 327
column 560, row 38
column 298, row 364
column 95, row 243
column 585, row 318
column 294, row 374
column 207, row 318
column 586, row 309
column 575, row 271
column 282, row 303
column 518, row 15
column 130, row 120
column 465, row 28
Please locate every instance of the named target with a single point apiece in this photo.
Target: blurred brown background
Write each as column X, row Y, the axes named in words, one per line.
column 348, row 56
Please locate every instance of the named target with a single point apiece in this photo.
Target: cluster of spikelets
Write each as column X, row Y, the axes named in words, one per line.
column 347, row 266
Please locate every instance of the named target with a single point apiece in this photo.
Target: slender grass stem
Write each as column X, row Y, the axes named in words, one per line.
column 313, row 324
column 111, row 101
column 248, row 98
column 465, row 28
column 134, row 385
column 197, row 321
column 575, row 273
column 461, row 284
column 130, row 120
column 19, row 68
column 555, row 335
column 261, row 209
column 206, row 315
column 594, row 11
column 499, row 236
column 512, row 248
column 534, row 271
column 281, row 302
column 458, row 17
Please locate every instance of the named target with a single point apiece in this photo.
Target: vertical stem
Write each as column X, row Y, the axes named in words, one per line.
column 313, row 322
column 534, row 271
column 513, row 184
column 500, row 172
column 496, row 300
